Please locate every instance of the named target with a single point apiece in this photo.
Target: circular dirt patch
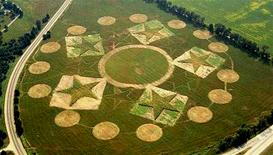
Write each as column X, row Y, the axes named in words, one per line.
column 106, row 20
column 50, row 47
column 105, row 131
column 202, row 34
column 149, row 132
column 218, row 47
column 176, row 24
column 136, row 66
column 39, row 91
column 67, row 118
column 228, row 76
column 200, row 114
column 220, row 96
column 138, row 18
column 76, row 30
column 39, row 67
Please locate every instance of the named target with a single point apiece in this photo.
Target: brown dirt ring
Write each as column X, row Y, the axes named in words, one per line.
column 149, row 132
column 177, row 24
column 50, row 47
column 39, row 91
column 67, row 118
column 218, row 47
column 138, row 18
column 200, row 114
column 228, row 76
column 39, row 67
column 106, row 20
column 220, row 96
column 76, row 30
column 105, row 131
column 202, row 34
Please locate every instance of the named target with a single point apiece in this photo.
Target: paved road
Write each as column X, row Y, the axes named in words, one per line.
column 15, row 144
column 10, row 23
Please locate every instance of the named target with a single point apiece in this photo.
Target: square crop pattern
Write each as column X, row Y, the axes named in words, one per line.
column 159, row 105
column 90, row 45
column 150, row 31
column 199, row 62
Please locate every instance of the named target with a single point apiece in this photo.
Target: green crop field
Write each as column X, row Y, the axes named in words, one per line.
column 157, row 83
column 250, row 18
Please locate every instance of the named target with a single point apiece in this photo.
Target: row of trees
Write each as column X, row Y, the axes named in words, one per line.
column 245, row 132
column 17, row 120
column 221, row 32
column 8, row 53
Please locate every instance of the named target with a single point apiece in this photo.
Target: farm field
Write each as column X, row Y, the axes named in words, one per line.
column 123, row 77
column 250, row 18
column 33, row 10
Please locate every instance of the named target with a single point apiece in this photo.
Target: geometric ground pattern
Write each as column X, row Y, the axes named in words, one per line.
column 150, row 31
column 77, row 92
column 90, row 45
column 159, row 105
column 199, row 62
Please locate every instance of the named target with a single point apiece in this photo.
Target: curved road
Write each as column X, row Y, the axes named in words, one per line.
column 15, row 144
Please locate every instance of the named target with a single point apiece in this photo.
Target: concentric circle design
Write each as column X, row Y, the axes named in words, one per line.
column 220, row 96
column 200, row 114
column 149, row 132
column 105, row 131
column 138, row 18
column 136, row 66
column 39, row 91
column 67, row 118
column 39, row 67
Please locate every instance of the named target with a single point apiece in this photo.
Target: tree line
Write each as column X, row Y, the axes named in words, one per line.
column 9, row 51
column 13, row 9
column 220, row 31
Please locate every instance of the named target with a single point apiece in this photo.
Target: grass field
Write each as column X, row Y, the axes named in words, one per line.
column 252, row 94
column 250, row 18
column 33, row 10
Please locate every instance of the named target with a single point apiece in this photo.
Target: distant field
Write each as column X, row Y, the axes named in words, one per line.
column 251, row 18
column 33, row 10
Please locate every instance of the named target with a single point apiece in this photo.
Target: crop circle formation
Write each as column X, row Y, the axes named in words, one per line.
column 50, row 47
column 67, row 118
column 106, row 20
column 76, row 30
column 136, row 66
column 149, row 132
column 200, row 114
column 218, row 47
column 228, row 76
column 105, row 131
column 138, row 18
column 176, row 24
column 39, row 67
column 39, row 91
column 220, row 96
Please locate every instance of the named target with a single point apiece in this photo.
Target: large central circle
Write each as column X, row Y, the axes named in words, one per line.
column 136, row 66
